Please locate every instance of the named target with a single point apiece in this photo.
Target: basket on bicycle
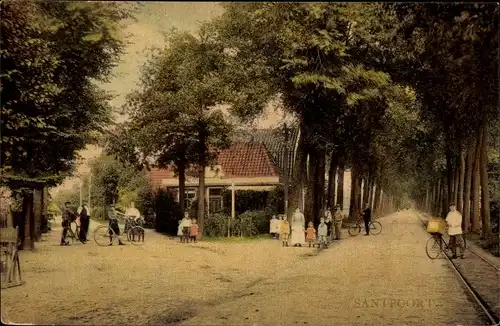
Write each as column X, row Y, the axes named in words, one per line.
column 436, row 226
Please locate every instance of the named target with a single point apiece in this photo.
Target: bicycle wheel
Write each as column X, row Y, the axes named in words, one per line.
column 434, row 247
column 70, row 237
column 354, row 230
column 375, row 228
column 135, row 235
column 103, row 235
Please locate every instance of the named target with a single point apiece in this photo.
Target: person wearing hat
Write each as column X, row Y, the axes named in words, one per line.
column 338, row 217
column 454, row 222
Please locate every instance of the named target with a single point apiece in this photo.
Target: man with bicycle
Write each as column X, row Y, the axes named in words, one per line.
column 367, row 217
column 67, row 217
column 454, row 222
column 113, row 224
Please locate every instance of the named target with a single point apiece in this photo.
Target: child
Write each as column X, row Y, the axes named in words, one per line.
column 285, row 232
column 310, row 234
column 186, row 226
column 322, row 233
column 193, row 232
column 179, row 231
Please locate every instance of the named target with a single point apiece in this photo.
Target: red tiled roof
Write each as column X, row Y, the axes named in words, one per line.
column 245, row 160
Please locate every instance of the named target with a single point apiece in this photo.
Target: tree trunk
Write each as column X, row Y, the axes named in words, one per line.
column 332, row 173
column 370, row 193
column 445, row 202
column 352, row 199
column 449, row 175
column 37, row 213
column 456, row 185
column 28, row 239
column 295, row 191
column 485, row 194
column 181, row 167
column 426, row 201
column 340, row 186
column 469, row 168
column 311, row 185
column 202, row 162
column 476, row 182
column 376, row 199
column 319, row 185
column 358, row 196
column 437, row 204
column 461, row 177
column 366, row 189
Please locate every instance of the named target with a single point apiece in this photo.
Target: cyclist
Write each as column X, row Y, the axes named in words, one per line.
column 454, row 222
column 367, row 216
column 67, row 217
column 113, row 224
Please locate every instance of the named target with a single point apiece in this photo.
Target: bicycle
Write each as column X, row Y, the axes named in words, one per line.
column 104, row 235
column 375, row 227
column 437, row 245
column 71, row 235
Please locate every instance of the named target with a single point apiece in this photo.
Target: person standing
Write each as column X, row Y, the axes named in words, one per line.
column 298, row 229
column 367, row 217
column 186, row 226
column 284, row 232
column 328, row 221
column 338, row 218
column 310, row 234
column 84, row 224
column 193, row 230
column 322, row 234
column 67, row 216
column 272, row 226
column 454, row 222
column 113, row 225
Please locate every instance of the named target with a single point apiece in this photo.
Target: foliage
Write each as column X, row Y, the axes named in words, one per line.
column 248, row 224
column 272, row 200
column 168, row 213
column 51, row 56
column 217, row 225
column 53, row 209
column 255, row 222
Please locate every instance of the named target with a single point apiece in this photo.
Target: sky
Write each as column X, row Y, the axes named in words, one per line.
column 146, row 31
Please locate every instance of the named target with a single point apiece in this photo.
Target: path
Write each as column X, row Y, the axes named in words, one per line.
column 380, row 280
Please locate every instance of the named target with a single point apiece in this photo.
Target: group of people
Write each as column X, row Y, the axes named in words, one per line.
column 81, row 217
column 329, row 227
column 188, row 229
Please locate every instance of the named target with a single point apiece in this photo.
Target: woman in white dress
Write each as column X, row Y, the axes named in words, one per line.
column 298, row 229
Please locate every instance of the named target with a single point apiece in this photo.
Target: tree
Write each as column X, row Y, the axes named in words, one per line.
column 174, row 119
column 314, row 57
column 452, row 50
column 52, row 54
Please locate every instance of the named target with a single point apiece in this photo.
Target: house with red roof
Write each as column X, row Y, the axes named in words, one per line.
column 247, row 165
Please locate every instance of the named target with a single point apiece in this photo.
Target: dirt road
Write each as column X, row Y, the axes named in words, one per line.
column 380, row 280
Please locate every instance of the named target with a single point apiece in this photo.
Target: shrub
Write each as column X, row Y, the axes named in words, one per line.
column 168, row 212
column 145, row 204
column 216, row 225
column 255, row 222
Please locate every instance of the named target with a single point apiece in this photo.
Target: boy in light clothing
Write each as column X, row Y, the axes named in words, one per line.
column 322, row 233
column 454, row 222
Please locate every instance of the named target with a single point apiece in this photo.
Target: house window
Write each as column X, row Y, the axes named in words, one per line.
column 215, row 200
column 189, row 197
